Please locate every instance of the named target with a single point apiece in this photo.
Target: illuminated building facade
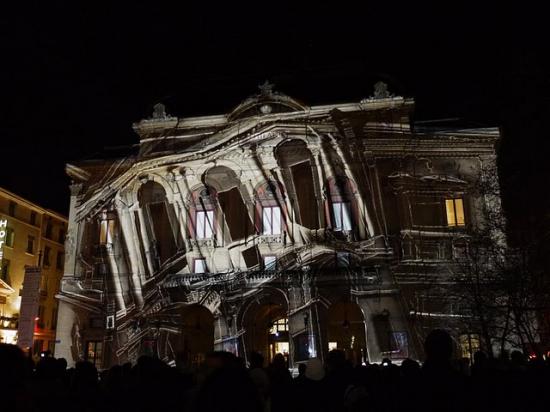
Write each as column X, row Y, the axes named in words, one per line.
column 277, row 227
column 29, row 236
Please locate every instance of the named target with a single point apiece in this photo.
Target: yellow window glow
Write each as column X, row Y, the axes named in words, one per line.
column 449, row 205
column 455, row 212
column 459, row 210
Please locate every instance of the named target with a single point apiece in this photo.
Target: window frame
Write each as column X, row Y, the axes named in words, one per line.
column 269, row 229
column 204, row 265
column 451, row 212
column 29, row 240
column 206, row 217
column 342, row 224
column 272, row 264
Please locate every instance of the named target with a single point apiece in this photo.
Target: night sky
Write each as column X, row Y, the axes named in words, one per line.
column 75, row 75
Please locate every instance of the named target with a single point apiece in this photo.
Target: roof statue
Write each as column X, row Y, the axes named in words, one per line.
column 381, row 91
column 159, row 111
column 266, row 89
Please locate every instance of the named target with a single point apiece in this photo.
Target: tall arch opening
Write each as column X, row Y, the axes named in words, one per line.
column 296, row 163
column 346, row 331
column 266, row 325
column 234, row 212
column 197, row 334
column 161, row 224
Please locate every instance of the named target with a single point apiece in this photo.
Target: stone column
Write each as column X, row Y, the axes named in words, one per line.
column 360, row 204
column 68, row 334
column 145, row 239
column 316, row 170
column 128, row 234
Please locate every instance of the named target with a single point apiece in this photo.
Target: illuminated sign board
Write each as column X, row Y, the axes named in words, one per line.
column 3, row 232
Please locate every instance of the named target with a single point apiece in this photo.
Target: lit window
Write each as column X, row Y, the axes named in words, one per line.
column 270, row 262
column 469, row 345
column 94, row 352
column 280, row 325
column 271, row 220
column 205, row 220
column 106, row 231
column 342, row 216
column 455, row 212
column 199, row 266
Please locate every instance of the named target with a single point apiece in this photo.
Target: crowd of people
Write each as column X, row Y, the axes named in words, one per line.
column 226, row 383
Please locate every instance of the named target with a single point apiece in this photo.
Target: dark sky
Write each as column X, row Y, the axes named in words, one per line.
column 75, row 75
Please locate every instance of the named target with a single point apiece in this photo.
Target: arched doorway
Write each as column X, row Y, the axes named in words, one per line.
column 346, row 331
column 197, row 334
column 266, row 325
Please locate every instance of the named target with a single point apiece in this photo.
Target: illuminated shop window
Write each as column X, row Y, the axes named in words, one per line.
column 94, row 352
column 332, row 346
column 455, row 212
column 205, row 223
column 271, row 220
column 270, row 262
column 199, row 266
column 280, row 325
column 342, row 216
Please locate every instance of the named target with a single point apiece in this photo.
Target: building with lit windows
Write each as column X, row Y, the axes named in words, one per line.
column 277, row 227
column 30, row 236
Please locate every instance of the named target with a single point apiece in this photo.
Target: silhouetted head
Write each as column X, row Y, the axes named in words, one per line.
column 336, row 360
column 256, row 360
column 279, row 361
column 410, row 367
column 438, row 346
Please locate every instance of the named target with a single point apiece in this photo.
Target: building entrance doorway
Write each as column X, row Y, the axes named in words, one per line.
column 346, row 331
column 197, row 334
column 267, row 329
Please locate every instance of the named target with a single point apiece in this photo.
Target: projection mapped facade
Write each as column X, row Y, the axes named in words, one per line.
column 277, row 227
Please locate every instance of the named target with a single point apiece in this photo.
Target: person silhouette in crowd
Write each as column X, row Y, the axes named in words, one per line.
column 280, row 380
column 259, row 376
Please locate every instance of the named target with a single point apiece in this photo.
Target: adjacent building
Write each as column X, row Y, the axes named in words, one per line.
column 30, row 236
column 277, row 227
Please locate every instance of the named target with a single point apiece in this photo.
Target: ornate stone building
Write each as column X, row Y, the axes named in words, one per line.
column 277, row 227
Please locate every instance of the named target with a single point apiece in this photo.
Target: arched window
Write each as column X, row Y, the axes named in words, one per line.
column 203, row 214
column 341, row 208
column 270, row 210
column 161, row 221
